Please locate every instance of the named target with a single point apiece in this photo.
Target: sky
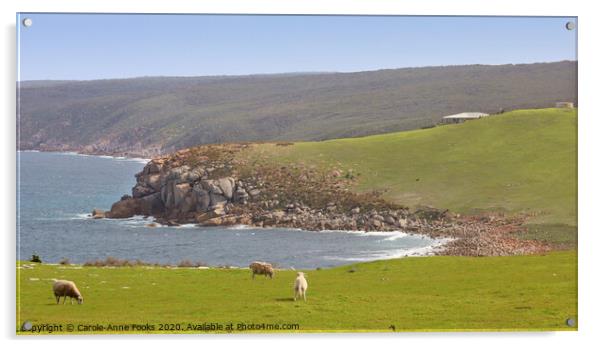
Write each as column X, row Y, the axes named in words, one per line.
column 101, row 46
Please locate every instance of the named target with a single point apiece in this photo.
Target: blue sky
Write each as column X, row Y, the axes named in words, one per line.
column 95, row 46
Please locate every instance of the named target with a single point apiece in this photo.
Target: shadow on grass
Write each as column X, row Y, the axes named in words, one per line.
column 285, row 299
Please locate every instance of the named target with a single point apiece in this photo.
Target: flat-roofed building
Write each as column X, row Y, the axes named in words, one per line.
column 464, row 116
column 565, row 105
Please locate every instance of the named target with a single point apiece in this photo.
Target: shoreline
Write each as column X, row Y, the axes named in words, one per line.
column 438, row 243
column 74, row 153
column 82, row 152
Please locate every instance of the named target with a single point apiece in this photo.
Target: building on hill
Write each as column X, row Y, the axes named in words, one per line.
column 464, row 116
column 565, row 105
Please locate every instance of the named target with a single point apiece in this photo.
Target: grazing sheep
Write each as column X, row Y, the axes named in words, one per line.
column 264, row 268
column 66, row 288
column 300, row 286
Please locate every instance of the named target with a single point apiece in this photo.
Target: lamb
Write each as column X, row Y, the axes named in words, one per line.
column 66, row 288
column 264, row 268
column 300, row 286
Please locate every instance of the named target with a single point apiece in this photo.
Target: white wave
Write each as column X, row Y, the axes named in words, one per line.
column 391, row 235
column 71, row 153
column 139, row 160
column 82, row 216
column 135, row 221
column 187, row 226
column 396, row 253
column 122, row 158
column 396, row 236
column 117, row 158
column 240, row 227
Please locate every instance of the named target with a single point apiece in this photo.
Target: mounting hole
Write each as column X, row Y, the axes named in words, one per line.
column 26, row 326
column 27, row 22
column 569, row 25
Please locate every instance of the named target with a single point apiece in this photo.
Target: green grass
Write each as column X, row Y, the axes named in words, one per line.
column 435, row 293
column 520, row 161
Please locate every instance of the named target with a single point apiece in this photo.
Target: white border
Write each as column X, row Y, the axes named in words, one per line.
column 590, row 192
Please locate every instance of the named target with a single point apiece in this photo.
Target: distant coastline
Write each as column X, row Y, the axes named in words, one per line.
column 75, row 153
column 83, row 152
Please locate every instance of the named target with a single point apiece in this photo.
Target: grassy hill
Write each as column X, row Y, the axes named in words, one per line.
column 152, row 115
column 520, row 161
column 413, row 294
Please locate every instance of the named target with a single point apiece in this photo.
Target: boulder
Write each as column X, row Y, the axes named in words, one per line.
column 376, row 223
column 189, row 204
column 167, row 195
column 141, row 190
column 152, row 204
column 153, row 167
column 227, row 186
column 203, row 201
column 390, row 220
column 195, row 174
column 98, row 214
column 125, row 208
column 218, row 211
column 217, row 199
column 221, row 221
column 240, row 195
column 334, row 224
column 244, row 220
column 180, row 193
column 178, row 174
column 216, row 221
column 211, row 186
column 154, row 181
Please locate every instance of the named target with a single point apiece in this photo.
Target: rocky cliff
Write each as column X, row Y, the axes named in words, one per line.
column 213, row 185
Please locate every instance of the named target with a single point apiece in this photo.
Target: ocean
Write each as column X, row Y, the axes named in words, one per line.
column 57, row 191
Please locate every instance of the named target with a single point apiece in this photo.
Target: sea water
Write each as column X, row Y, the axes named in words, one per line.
column 57, row 191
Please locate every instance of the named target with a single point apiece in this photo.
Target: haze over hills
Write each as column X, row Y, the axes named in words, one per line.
column 152, row 115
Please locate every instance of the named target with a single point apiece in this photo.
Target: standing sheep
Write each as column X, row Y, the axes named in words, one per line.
column 300, row 286
column 264, row 268
column 66, row 288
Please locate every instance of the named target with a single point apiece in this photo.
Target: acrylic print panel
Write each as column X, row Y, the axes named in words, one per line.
column 279, row 174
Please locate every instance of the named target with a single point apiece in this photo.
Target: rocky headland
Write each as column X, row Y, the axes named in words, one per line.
column 222, row 185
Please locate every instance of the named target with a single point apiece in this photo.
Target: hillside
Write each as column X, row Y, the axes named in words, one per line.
column 477, row 182
column 520, row 161
column 148, row 116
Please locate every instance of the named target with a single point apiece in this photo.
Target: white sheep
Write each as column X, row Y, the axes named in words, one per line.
column 300, row 286
column 66, row 288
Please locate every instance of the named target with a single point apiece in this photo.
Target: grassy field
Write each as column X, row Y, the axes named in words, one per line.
column 435, row 293
column 520, row 161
